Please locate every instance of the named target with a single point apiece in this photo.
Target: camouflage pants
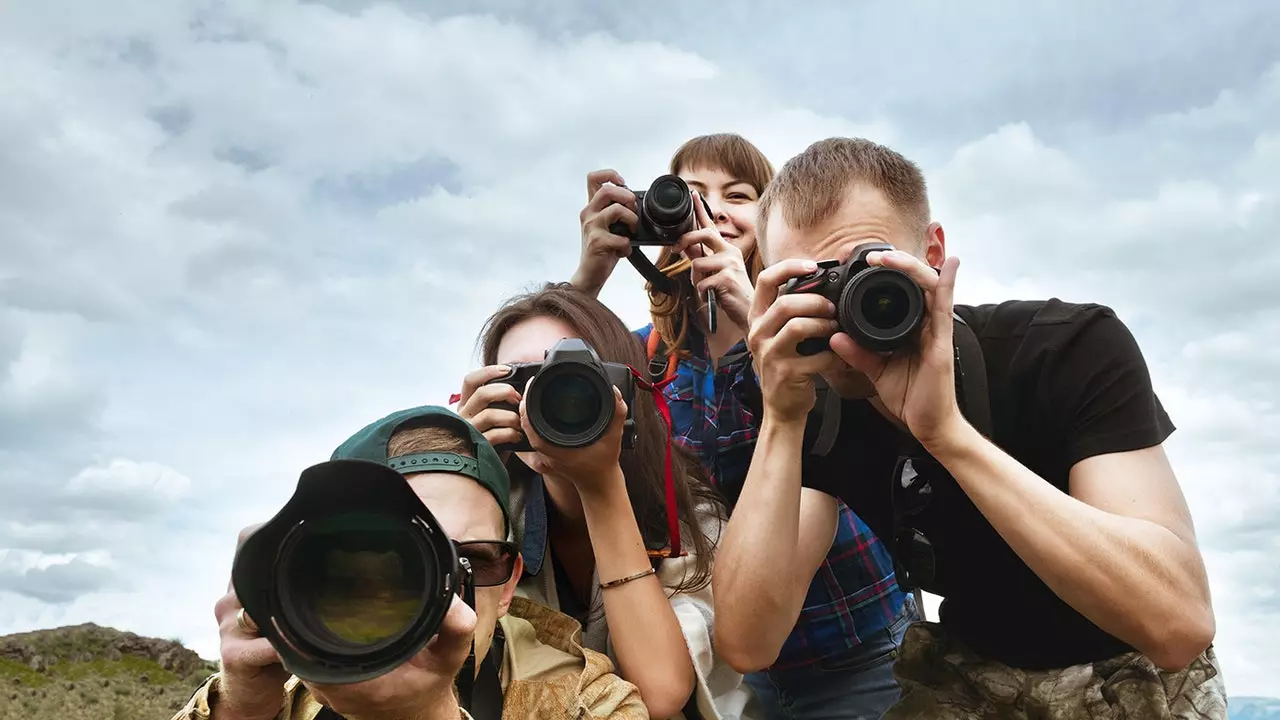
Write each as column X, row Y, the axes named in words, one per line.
column 941, row 678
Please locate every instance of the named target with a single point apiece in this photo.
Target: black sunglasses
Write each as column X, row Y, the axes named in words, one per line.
column 913, row 557
column 492, row 561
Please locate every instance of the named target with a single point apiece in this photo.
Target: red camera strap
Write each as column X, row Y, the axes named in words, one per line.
column 660, row 399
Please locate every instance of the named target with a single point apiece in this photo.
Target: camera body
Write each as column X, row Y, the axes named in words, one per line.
column 352, row 577
column 570, row 403
column 664, row 211
column 880, row 308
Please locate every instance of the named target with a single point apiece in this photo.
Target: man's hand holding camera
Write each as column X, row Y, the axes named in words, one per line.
column 916, row 386
column 777, row 326
column 253, row 678
column 421, row 689
column 253, row 675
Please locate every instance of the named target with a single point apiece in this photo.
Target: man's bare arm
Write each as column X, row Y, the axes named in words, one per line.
column 1120, row 549
column 777, row 537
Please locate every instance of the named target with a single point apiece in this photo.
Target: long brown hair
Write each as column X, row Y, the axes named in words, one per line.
column 673, row 313
column 644, row 465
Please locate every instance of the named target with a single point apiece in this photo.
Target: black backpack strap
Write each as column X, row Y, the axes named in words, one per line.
column 972, row 392
column 826, row 410
column 487, row 697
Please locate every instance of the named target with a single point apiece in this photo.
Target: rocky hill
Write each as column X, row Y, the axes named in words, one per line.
column 87, row 672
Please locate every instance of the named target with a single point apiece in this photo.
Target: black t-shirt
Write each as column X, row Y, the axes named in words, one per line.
column 1066, row 382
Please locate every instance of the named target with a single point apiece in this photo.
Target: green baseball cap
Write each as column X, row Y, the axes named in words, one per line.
column 486, row 467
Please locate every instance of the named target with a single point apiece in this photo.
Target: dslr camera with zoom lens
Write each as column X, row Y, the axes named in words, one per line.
column 880, row 308
column 352, row 577
column 570, row 403
column 665, row 212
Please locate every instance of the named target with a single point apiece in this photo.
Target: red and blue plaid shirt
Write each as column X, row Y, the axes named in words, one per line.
column 855, row 592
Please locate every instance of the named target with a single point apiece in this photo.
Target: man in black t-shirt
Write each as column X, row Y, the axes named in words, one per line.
column 1060, row 539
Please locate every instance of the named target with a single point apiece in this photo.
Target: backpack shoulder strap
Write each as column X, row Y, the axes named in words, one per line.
column 972, row 392
column 661, row 364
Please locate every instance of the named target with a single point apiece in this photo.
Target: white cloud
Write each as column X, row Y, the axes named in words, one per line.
column 234, row 234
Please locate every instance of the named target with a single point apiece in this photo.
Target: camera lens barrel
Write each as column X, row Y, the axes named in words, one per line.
column 668, row 203
column 881, row 308
column 571, row 404
column 352, row 577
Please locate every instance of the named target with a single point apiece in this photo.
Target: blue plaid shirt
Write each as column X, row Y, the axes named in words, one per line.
column 854, row 592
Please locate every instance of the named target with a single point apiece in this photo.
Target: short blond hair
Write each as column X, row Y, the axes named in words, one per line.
column 812, row 185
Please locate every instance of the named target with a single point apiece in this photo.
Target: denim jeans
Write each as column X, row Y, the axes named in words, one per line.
column 855, row 685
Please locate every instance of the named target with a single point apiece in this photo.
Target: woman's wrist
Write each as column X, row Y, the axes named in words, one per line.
column 603, row 493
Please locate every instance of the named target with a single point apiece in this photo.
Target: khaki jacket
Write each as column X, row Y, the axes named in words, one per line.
column 720, row 692
column 546, row 673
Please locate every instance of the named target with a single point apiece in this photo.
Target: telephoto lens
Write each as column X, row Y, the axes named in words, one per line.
column 352, row 577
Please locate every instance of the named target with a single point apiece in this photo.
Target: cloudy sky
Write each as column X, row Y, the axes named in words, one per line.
column 233, row 233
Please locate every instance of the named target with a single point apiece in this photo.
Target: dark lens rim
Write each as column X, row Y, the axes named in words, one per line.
column 512, row 552
column 668, row 216
column 864, row 282
column 544, row 381
column 311, row 637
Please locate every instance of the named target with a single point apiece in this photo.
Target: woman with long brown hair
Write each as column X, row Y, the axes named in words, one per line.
column 593, row 521
column 837, row 660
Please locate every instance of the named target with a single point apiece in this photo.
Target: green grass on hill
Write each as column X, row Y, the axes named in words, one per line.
column 91, row 679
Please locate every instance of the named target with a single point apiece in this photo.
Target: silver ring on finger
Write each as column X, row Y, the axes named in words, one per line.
column 245, row 624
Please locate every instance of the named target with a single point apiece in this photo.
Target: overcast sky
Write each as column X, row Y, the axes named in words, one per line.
column 233, row 233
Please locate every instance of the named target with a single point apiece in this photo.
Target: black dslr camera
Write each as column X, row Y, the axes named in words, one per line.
column 880, row 308
column 665, row 212
column 570, row 403
column 352, row 577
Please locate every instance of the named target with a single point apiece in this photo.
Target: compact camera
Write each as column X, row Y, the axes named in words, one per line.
column 880, row 308
column 570, row 403
column 352, row 577
column 665, row 212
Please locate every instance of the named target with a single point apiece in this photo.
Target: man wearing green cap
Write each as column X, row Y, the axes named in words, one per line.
column 542, row 671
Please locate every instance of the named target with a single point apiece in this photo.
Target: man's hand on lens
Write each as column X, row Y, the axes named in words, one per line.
column 717, row 265
column 499, row 426
column 420, row 689
column 253, row 678
column 777, row 326
column 591, row 469
column 608, row 202
column 918, row 387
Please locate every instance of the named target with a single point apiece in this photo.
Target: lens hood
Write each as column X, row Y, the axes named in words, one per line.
column 352, row 577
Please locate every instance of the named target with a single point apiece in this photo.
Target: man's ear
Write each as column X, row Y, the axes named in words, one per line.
column 935, row 245
column 509, row 589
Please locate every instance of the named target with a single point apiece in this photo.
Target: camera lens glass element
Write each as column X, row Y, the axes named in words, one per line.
column 668, row 202
column 571, row 404
column 885, row 305
column 357, row 579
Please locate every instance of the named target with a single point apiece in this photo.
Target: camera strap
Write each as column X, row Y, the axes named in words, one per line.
column 669, row 480
column 658, row 281
column 972, row 393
